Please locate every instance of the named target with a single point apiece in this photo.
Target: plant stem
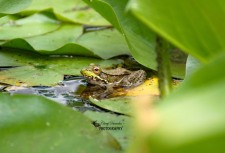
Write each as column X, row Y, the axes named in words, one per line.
column 163, row 60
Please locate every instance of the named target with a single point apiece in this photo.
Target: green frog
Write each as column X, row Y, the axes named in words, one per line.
column 112, row 78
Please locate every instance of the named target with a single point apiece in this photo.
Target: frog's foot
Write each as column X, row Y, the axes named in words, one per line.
column 104, row 95
column 108, row 91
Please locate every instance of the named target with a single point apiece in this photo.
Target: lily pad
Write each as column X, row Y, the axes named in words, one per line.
column 105, row 43
column 68, row 39
column 119, row 104
column 12, row 6
column 121, row 124
column 37, row 69
column 149, row 87
column 36, row 124
column 71, row 10
column 34, row 25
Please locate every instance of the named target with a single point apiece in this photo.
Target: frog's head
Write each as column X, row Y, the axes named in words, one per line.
column 92, row 72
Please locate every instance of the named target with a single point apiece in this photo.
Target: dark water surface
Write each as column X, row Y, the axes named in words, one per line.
column 66, row 92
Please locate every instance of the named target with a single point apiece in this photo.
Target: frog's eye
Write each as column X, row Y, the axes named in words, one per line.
column 96, row 70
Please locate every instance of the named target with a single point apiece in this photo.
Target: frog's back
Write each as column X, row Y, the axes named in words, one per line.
column 117, row 71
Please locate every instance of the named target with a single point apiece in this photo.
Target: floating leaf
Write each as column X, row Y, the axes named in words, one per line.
column 149, row 87
column 42, row 70
column 21, row 28
column 119, row 104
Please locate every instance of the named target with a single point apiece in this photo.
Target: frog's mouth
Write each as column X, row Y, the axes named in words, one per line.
column 82, row 73
column 92, row 76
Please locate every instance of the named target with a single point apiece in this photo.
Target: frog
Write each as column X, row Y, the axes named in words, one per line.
column 109, row 79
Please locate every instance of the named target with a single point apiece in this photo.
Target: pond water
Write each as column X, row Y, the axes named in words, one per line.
column 66, row 92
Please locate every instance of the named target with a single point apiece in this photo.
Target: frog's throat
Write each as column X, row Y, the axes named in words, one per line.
column 99, row 78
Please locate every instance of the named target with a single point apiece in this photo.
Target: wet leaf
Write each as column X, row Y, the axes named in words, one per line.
column 35, row 124
column 42, row 70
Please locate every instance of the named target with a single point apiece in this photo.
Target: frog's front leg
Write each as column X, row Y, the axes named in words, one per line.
column 109, row 89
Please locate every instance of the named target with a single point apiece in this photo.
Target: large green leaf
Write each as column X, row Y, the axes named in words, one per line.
column 12, row 6
column 193, row 118
column 104, row 43
column 47, row 36
column 70, row 10
column 34, row 25
column 37, row 69
column 35, row 124
column 140, row 38
column 194, row 26
column 123, row 134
